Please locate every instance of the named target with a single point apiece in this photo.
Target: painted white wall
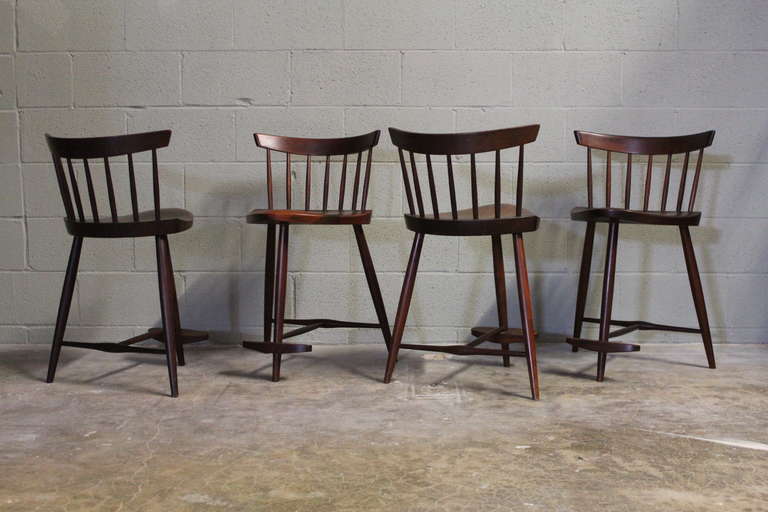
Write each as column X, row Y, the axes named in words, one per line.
column 216, row 71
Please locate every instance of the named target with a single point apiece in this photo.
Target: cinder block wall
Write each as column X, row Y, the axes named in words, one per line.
column 216, row 71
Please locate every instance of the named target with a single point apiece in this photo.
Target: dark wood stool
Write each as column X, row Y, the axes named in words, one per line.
column 276, row 272
column 678, row 216
column 491, row 220
column 159, row 222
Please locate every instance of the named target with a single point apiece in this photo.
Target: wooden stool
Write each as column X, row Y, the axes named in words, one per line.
column 356, row 215
column 613, row 216
column 159, row 222
column 491, row 220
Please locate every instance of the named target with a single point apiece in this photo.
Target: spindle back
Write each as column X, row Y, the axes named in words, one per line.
column 649, row 147
column 78, row 153
column 449, row 144
column 327, row 148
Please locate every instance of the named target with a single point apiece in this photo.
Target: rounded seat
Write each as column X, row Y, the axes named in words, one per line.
column 172, row 220
column 669, row 218
column 465, row 224
column 329, row 217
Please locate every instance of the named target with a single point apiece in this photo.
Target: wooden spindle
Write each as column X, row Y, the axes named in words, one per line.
column 132, row 184
column 695, row 184
column 628, row 182
column 665, row 186
column 61, row 179
column 497, row 185
column 308, row 184
column 270, row 203
column 75, row 190
column 91, row 193
column 608, row 180
column 156, row 184
column 432, row 189
column 416, row 185
column 288, row 193
column 356, row 186
column 343, row 184
column 648, row 177
column 473, row 178
column 367, row 179
column 519, row 195
column 683, row 176
column 110, row 190
column 452, row 187
column 589, row 177
column 406, row 182
column 326, row 182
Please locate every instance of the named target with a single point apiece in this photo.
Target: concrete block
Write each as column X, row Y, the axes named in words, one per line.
column 10, row 191
column 345, row 78
column 7, row 26
column 430, row 78
column 36, row 298
column 397, row 25
column 591, row 25
column 41, row 192
column 44, row 79
column 288, row 24
column 654, row 79
column 64, row 123
column 509, row 25
column 198, row 135
column 7, row 82
column 49, row 246
column 9, row 137
column 128, row 79
column 211, row 244
column 236, row 78
column 193, row 25
column 723, row 25
column 12, row 335
column 13, row 248
column 740, row 132
column 81, row 25
column 565, row 79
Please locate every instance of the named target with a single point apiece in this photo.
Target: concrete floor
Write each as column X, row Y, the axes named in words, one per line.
column 451, row 433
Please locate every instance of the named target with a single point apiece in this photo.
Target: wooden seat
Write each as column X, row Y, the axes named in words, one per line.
column 350, row 210
column 677, row 215
column 622, row 216
column 466, row 224
column 171, row 220
column 84, row 221
column 333, row 217
column 494, row 220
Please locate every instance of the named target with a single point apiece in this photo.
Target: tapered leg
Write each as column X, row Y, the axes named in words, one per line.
column 609, row 277
column 175, row 305
column 501, row 289
column 404, row 304
column 168, row 309
column 282, row 278
column 526, row 314
column 373, row 284
column 269, row 282
column 64, row 304
column 698, row 293
column 581, row 297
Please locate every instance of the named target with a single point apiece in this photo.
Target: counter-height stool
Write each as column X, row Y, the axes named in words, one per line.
column 340, row 206
column 84, row 164
column 492, row 220
column 658, row 212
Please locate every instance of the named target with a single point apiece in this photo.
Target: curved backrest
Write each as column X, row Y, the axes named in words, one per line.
column 449, row 144
column 648, row 146
column 327, row 148
column 78, row 151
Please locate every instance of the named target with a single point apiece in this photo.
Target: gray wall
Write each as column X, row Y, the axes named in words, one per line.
column 216, row 71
